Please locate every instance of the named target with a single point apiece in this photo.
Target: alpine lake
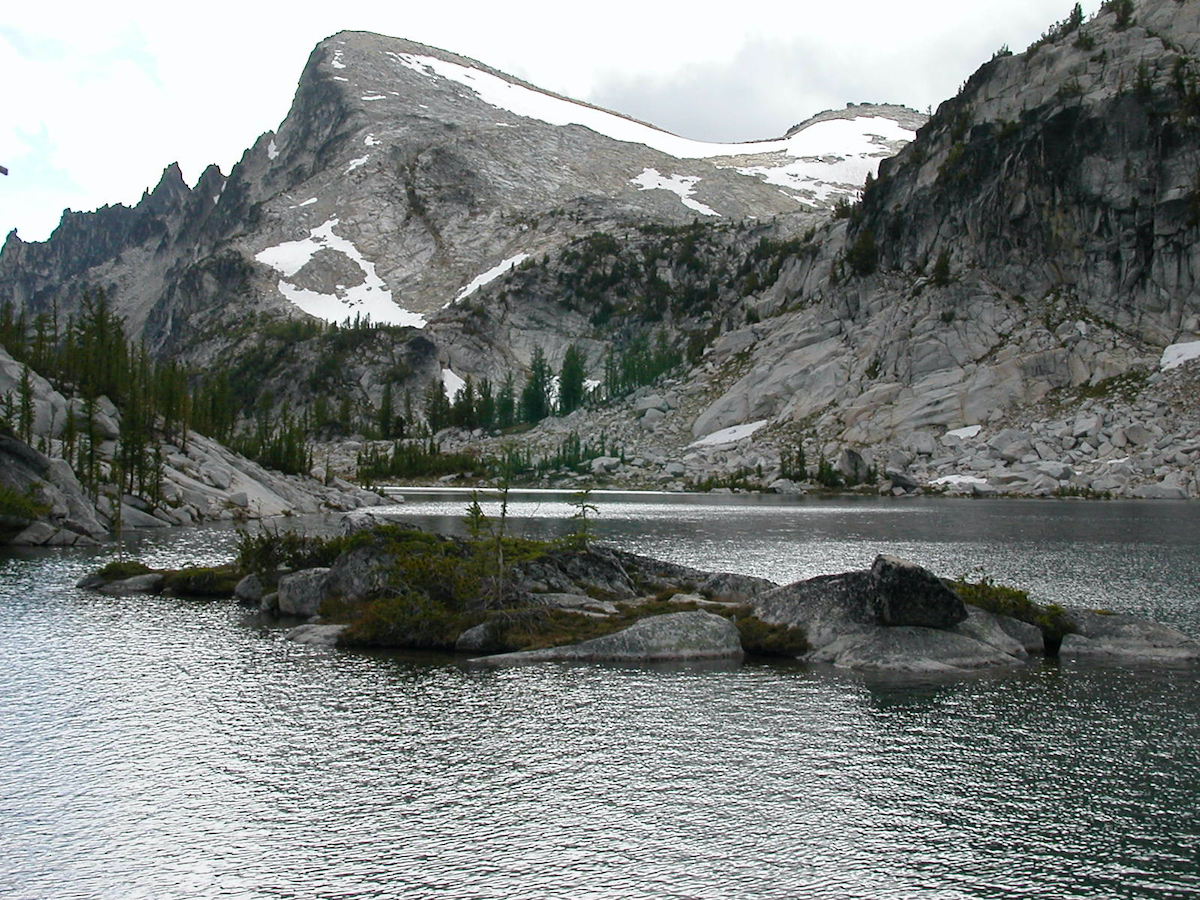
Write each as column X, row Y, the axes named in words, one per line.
column 167, row 748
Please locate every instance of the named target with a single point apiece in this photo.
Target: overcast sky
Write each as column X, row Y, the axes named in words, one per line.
column 99, row 97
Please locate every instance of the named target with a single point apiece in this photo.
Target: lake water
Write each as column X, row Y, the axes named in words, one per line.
column 165, row 748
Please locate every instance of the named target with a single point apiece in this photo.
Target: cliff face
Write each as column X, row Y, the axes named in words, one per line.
column 131, row 252
column 1071, row 168
column 1038, row 237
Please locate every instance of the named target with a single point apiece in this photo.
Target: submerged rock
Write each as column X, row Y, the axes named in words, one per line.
column 1100, row 635
column 150, row 583
column 675, row 636
column 316, row 635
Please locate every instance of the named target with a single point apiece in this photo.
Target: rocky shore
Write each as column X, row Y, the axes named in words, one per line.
column 1138, row 438
column 389, row 585
column 199, row 479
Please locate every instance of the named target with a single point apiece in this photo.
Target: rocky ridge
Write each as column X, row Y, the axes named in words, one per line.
column 1032, row 241
column 401, row 175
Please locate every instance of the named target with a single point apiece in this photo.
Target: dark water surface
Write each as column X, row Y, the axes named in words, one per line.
column 165, row 748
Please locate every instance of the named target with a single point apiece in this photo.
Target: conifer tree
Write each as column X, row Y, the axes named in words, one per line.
column 571, row 381
column 25, row 398
column 385, row 418
column 506, row 403
column 437, row 406
column 485, row 408
column 535, row 397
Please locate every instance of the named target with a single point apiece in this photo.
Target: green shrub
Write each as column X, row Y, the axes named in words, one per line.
column 22, row 506
column 538, row 628
column 120, row 569
column 941, row 269
column 270, row 549
column 408, row 619
column 1124, row 11
column 203, row 581
column 761, row 638
column 863, row 257
column 1052, row 619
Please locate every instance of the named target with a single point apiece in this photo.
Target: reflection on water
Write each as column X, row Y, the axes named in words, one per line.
column 165, row 748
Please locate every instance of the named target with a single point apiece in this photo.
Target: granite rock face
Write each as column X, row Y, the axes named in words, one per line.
column 413, row 173
column 1034, row 249
column 677, row 636
column 906, row 594
column 201, row 479
column 70, row 517
column 1054, row 192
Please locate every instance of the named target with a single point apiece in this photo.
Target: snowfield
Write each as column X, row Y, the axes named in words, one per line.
column 370, row 299
column 451, row 384
column 971, row 431
column 826, row 156
column 958, row 481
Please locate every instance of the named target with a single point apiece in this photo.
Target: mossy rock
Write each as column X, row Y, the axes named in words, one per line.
column 761, row 638
column 20, row 506
column 120, row 569
column 203, row 581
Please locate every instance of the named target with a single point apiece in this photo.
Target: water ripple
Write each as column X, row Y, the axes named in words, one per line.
column 164, row 748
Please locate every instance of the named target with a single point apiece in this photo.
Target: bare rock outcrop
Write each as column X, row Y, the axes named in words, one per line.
column 677, row 636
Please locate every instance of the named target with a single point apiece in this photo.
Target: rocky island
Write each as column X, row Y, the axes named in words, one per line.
column 500, row 601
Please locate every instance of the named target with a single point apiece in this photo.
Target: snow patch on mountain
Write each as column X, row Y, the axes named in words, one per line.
column 821, row 172
column 730, row 435
column 490, row 275
column 452, row 384
column 958, row 481
column 1177, row 354
column 971, row 431
column 272, row 150
column 370, row 299
column 682, row 185
column 355, row 163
